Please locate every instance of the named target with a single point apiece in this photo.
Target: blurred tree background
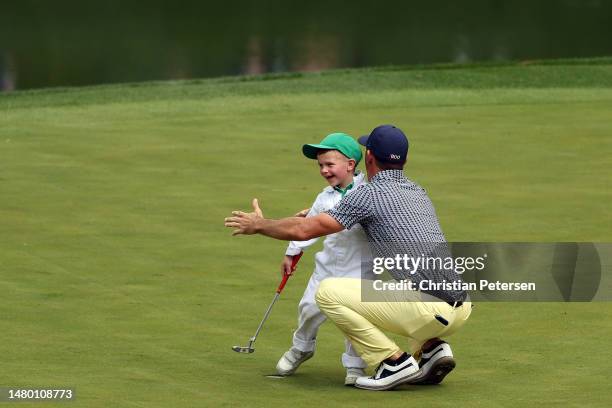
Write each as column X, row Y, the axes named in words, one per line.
column 69, row 42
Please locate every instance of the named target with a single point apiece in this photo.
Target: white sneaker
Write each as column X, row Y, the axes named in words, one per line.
column 436, row 362
column 388, row 376
column 291, row 360
column 352, row 374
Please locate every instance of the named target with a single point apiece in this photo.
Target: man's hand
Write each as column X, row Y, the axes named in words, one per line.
column 245, row 223
column 287, row 229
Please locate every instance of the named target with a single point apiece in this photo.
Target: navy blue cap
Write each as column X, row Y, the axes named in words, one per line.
column 388, row 144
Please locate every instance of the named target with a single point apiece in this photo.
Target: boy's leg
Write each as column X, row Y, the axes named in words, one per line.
column 310, row 319
column 355, row 366
column 351, row 358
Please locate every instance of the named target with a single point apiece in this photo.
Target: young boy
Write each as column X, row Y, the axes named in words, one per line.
column 338, row 154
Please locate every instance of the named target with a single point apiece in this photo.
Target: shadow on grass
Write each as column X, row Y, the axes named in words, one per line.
column 334, row 382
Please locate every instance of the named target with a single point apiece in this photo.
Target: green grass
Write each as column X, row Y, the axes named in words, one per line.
column 119, row 279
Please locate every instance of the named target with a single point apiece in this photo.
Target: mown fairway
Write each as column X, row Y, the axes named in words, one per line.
column 118, row 278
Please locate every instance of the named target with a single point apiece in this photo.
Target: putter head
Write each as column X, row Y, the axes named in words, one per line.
column 239, row 349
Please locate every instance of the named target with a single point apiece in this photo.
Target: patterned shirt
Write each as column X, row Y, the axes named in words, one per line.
column 399, row 219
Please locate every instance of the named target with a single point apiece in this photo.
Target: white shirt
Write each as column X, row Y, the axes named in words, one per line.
column 344, row 251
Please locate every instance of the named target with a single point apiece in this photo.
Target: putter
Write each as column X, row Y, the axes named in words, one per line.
column 249, row 349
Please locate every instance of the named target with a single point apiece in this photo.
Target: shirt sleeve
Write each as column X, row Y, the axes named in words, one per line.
column 354, row 208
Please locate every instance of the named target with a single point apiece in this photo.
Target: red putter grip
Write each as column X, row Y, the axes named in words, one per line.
column 296, row 258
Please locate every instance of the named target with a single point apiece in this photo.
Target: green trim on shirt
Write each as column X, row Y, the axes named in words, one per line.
column 343, row 191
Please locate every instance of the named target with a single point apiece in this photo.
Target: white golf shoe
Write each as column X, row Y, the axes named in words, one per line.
column 291, row 360
column 436, row 362
column 352, row 374
column 388, row 375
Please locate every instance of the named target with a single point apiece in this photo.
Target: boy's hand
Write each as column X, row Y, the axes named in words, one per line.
column 245, row 222
column 286, row 265
column 302, row 213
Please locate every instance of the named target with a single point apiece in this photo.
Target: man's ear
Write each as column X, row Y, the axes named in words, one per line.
column 369, row 157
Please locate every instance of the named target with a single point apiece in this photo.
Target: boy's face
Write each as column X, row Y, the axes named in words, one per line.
column 336, row 168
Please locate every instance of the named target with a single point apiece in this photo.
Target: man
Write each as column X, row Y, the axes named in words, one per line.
column 398, row 218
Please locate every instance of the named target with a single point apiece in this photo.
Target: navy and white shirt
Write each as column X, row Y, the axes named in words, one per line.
column 399, row 218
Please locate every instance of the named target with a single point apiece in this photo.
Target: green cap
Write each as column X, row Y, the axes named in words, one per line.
column 342, row 142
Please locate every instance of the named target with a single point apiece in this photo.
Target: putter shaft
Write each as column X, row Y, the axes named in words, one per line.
column 250, row 348
column 252, row 340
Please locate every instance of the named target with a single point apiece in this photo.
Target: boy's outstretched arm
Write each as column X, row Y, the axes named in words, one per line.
column 288, row 229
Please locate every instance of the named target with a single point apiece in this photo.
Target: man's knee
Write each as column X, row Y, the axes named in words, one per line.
column 325, row 293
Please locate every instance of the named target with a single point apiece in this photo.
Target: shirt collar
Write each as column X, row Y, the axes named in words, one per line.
column 389, row 175
column 343, row 191
column 357, row 180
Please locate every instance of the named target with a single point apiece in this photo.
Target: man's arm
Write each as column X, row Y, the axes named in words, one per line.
column 288, row 229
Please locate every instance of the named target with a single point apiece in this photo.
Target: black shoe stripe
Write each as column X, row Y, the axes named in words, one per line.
column 386, row 373
column 433, row 346
column 425, row 360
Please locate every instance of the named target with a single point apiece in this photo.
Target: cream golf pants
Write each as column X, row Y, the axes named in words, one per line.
column 403, row 313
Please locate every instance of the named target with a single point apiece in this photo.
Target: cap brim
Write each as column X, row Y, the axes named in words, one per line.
column 311, row 150
column 363, row 140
